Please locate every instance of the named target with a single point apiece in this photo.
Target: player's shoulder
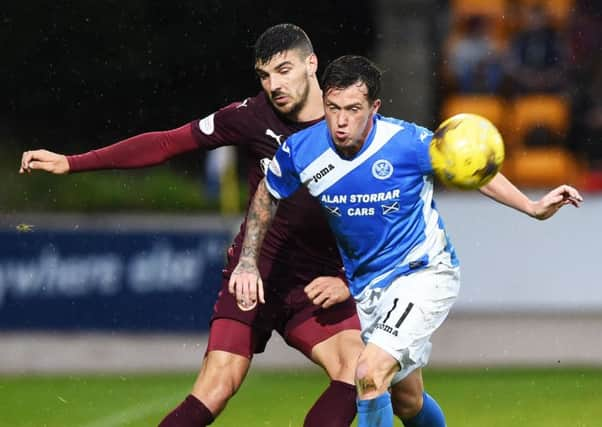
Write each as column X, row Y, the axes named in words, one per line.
column 251, row 106
column 247, row 116
column 310, row 139
column 405, row 129
column 312, row 131
column 257, row 102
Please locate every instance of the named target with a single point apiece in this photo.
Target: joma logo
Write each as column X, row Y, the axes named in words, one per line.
column 323, row 173
column 388, row 329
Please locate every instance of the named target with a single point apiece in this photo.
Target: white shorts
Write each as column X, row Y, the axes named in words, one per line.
column 401, row 317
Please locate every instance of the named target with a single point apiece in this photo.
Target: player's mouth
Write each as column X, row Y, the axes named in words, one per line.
column 280, row 99
column 341, row 136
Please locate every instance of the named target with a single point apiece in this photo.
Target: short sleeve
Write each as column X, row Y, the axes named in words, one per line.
column 282, row 178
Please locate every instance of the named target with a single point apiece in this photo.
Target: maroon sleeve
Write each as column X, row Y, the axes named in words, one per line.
column 142, row 150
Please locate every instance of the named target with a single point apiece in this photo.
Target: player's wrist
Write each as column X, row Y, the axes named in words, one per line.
column 65, row 165
column 247, row 260
column 536, row 210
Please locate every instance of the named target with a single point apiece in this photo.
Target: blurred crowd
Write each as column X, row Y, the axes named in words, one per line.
column 534, row 68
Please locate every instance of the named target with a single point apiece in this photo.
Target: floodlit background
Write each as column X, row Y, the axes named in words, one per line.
column 116, row 272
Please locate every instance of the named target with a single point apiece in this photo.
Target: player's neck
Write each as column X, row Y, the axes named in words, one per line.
column 351, row 151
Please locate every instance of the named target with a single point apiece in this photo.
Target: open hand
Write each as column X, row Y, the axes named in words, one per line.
column 549, row 204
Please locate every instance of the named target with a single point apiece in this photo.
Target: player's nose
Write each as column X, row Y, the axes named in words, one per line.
column 274, row 83
column 342, row 119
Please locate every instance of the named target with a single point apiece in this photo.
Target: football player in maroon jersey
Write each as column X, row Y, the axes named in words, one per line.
column 306, row 298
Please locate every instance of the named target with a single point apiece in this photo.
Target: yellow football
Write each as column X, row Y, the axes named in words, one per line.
column 467, row 151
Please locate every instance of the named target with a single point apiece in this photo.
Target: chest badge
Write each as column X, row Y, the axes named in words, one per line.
column 382, row 169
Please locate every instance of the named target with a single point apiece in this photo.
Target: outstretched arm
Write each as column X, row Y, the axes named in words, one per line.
column 245, row 280
column 147, row 149
column 503, row 191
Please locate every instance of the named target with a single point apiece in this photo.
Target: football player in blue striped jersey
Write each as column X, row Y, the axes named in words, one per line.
column 374, row 179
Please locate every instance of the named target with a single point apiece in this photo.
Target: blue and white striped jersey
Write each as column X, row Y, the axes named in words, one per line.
column 379, row 203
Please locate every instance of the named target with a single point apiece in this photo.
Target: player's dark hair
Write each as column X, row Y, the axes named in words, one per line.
column 280, row 38
column 350, row 69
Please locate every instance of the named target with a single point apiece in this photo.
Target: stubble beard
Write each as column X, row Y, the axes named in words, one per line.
column 293, row 110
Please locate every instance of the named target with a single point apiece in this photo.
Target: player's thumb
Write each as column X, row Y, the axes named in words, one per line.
column 35, row 164
column 43, row 166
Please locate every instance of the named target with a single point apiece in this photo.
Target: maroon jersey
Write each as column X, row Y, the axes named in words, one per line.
column 299, row 242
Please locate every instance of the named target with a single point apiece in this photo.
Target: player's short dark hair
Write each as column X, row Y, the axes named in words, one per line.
column 350, row 69
column 280, row 38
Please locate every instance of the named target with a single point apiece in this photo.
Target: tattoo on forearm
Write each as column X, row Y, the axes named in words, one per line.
column 262, row 210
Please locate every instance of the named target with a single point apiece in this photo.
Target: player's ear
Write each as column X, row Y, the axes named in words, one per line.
column 375, row 106
column 312, row 64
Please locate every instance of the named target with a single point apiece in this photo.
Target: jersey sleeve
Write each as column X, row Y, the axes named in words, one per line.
column 229, row 125
column 422, row 141
column 147, row 149
column 282, row 179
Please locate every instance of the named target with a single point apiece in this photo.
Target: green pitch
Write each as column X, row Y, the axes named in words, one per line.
column 470, row 398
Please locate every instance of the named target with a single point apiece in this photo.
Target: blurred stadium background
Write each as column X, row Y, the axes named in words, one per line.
column 107, row 279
